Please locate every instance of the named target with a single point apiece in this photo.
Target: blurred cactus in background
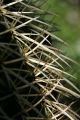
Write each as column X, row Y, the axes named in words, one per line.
column 76, row 2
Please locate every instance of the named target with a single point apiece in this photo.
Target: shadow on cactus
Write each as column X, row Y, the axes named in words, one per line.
column 33, row 81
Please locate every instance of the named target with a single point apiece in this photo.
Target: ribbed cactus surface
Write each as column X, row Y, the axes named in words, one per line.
column 33, row 82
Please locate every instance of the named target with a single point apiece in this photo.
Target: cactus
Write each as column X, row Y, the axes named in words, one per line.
column 33, row 82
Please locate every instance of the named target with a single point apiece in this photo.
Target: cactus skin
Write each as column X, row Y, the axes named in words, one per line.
column 10, row 102
column 12, row 74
